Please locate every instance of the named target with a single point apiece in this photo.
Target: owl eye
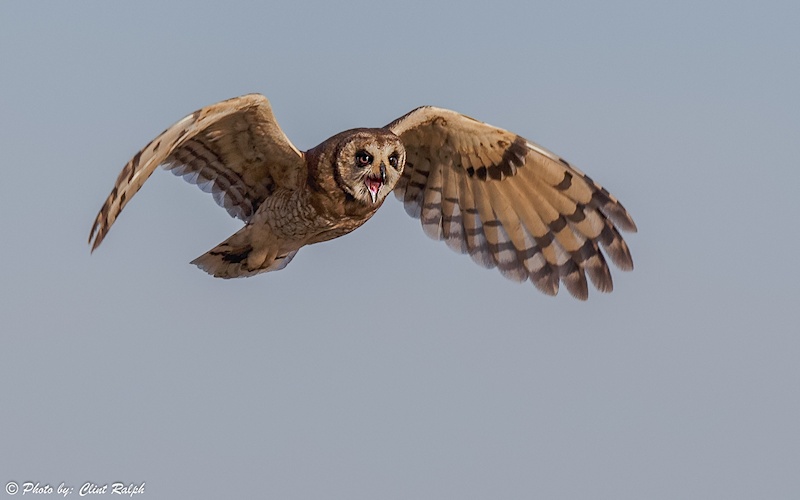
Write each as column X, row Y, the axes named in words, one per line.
column 394, row 160
column 363, row 159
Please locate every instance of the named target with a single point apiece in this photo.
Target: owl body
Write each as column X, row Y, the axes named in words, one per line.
column 487, row 192
column 330, row 201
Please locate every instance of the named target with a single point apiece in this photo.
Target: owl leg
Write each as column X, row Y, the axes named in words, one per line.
column 247, row 253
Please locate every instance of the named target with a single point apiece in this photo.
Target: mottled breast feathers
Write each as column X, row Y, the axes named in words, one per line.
column 485, row 191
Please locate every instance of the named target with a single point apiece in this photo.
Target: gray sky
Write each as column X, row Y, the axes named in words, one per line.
column 383, row 365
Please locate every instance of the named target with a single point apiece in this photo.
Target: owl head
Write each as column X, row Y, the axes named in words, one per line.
column 369, row 163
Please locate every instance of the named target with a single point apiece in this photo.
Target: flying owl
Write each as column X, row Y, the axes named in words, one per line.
column 487, row 192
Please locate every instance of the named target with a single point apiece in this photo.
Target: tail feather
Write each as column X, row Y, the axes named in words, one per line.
column 242, row 255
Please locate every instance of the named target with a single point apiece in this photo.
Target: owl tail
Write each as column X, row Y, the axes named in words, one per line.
column 242, row 255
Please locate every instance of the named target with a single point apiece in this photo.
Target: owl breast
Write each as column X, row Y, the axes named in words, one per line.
column 293, row 216
column 338, row 229
column 289, row 215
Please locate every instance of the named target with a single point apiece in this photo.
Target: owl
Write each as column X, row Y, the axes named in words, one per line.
column 504, row 200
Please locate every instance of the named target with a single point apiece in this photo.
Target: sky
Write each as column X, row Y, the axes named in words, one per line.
column 382, row 364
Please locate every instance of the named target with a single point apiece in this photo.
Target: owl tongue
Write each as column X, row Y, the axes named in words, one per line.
column 373, row 185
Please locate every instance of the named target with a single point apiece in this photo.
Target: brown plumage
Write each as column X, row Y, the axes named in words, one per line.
column 502, row 199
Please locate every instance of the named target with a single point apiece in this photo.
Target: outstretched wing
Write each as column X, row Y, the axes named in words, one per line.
column 509, row 203
column 234, row 150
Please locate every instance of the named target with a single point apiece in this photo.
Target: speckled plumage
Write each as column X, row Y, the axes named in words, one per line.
column 502, row 199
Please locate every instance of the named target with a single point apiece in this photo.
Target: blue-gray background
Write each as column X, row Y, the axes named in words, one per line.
column 382, row 365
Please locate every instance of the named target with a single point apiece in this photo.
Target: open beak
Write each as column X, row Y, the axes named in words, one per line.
column 374, row 183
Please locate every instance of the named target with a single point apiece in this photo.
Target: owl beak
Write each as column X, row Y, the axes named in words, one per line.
column 374, row 184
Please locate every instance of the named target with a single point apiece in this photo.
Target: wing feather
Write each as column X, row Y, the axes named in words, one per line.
column 542, row 257
column 234, row 150
column 510, row 203
column 431, row 215
column 452, row 220
column 476, row 243
column 417, row 180
column 511, row 226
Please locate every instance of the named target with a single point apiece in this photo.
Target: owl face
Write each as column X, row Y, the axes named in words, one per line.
column 369, row 163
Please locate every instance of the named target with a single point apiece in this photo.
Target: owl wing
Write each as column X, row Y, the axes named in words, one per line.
column 234, row 150
column 509, row 203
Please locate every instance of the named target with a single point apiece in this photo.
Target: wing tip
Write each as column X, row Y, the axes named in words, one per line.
column 95, row 235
